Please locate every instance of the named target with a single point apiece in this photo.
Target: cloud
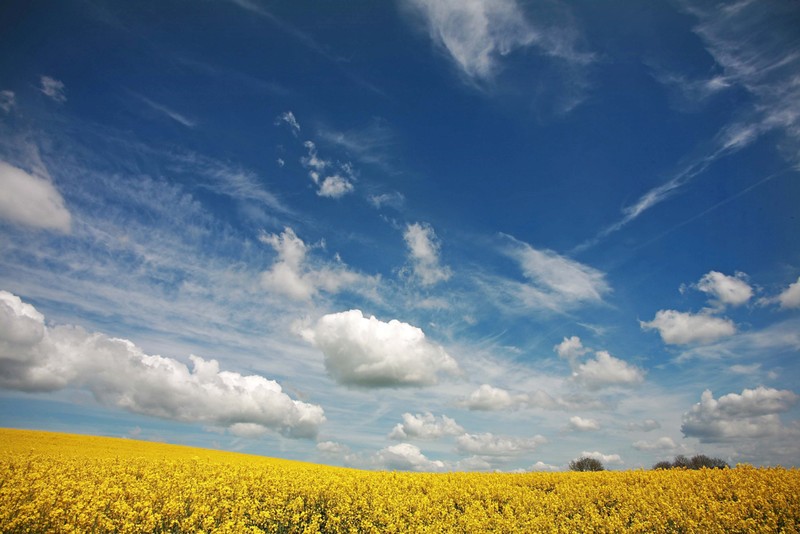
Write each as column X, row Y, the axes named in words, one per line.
column 407, row 457
column 288, row 117
column 332, row 186
column 488, row 444
column 170, row 113
column 583, row 425
column 490, row 398
column 610, row 459
column 726, row 290
column 32, row 200
column 393, row 200
column 790, row 297
column 604, row 370
column 681, row 328
column 53, row 88
column 476, row 34
column 570, row 349
column 335, row 186
column 294, row 276
column 425, row 426
column 35, row 357
column 555, row 282
column 647, row 425
column 543, row 467
column 423, row 247
column 332, row 448
column 661, row 444
column 366, row 352
column 751, row 414
column 8, row 101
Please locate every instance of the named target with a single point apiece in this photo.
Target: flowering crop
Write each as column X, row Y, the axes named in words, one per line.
column 65, row 483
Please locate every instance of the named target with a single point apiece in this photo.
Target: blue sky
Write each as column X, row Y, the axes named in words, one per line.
column 417, row 234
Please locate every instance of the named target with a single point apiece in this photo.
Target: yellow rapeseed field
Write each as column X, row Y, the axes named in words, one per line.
column 65, row 483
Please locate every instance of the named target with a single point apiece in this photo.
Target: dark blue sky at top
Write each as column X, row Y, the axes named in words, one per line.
column 169, row 145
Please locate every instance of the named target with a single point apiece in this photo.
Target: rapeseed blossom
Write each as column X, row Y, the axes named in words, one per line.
column 65, row 483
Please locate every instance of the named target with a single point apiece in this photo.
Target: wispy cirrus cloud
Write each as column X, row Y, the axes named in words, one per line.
column 32, row 200
column 168, row 112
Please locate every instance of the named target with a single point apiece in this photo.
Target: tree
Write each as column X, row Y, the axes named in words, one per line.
column 697, row 461
column 584, row 463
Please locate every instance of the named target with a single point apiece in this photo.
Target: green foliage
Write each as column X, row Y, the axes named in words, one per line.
column 697, row 461
column 584, row 463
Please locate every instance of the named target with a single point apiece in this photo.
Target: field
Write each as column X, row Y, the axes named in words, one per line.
column 66, row 483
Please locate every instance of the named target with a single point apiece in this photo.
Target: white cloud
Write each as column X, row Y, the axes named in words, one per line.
column 608, row 459
column 168, row 112
column 53, row 88
column 751, row 414
column 31, row 200
column 605, row 370
column 583, row 425
column 661, row 444
column 475, row 33
column 488, row 444
column 424, row 246
column 406, row 456
column 296, row 277
column 682, row 328
column 554, row 282
column 332, row 448
column 543, row 467
column 425, row 426
column 394, row 200
column 362, row 351
column 647, row 425
column 571, row 349
column 490, row 398
column 790, row 297
column 726, row 290
column 35, row 357
column 332, row 186
column 289, row 118
column 335, row 186
column 8, row 101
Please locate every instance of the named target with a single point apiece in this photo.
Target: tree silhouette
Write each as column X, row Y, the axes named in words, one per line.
column 584, row 463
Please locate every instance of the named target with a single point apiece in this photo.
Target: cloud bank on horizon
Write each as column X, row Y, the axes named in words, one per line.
column 422, row 235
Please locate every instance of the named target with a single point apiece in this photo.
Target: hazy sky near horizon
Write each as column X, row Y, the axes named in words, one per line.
column 416, row 234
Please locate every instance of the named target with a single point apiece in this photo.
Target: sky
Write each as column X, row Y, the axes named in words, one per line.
column 427, row 235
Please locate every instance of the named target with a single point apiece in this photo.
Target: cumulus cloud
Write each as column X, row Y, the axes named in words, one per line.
column 543, row 467
column 294, row 276
column 751, row 414
column 583, row 425
column 361, row 351
column 490, row 398
column 31, row 200
column 334, row 185
column 8, row 101
column 408, row 457
column 488, row 444
column 682, row 328
column 571, row 349
column 604, row 370
column 726, row 290
column 661, row 444
column 288, row 118
column 423, row 247
column 53, row 88
column 790, row 297
column 610, row 459
column 35, row 357
column 425, row 426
